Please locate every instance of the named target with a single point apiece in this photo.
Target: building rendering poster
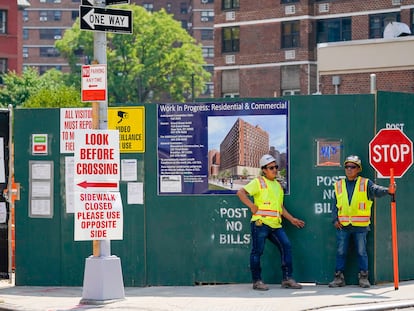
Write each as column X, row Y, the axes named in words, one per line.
column 215, row 148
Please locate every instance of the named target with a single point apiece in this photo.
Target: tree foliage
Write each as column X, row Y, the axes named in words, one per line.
column 32, row 90
column 159, row 60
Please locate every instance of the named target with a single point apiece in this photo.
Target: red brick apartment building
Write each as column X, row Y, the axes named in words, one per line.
column 10, row 35
column 269, row 48
column 45, row 21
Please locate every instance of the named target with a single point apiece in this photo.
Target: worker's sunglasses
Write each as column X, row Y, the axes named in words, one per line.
column 272, row 167
column 351, row 167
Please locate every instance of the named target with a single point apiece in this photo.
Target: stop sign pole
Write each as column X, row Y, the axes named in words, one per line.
column 391, row 155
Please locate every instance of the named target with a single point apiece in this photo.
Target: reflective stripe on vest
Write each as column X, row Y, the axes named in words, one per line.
column 265, row 212
column 262, row 182
column 353, row 219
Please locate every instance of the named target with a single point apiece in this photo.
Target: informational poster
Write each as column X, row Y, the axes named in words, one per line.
column 206, row 148
column 41, row 189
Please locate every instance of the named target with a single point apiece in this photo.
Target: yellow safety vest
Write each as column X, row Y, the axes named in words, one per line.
column 269, row 200
column 359, row 212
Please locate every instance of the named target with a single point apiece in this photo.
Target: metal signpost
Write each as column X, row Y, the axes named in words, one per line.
column 103, row 274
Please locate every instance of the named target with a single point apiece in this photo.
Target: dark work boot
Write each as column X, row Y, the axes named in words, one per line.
column 363, row 279
column 338, row 281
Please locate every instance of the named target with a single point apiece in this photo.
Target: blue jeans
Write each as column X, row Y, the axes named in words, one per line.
column 342, row 243
column 279, row 238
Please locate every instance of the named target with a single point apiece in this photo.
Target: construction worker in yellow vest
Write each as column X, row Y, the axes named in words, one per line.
column 351, row 216
column 266, row 222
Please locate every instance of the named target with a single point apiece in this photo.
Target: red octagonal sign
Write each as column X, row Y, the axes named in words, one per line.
column 391, row 148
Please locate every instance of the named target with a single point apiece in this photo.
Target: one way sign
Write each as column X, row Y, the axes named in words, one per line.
column 102, row 19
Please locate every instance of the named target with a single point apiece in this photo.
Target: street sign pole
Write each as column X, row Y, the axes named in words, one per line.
column 394, row 230
column 103, row 273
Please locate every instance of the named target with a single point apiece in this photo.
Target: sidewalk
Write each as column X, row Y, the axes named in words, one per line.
column 235, row 297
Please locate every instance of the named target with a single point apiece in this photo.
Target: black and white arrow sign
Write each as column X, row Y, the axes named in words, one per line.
column 102, row 19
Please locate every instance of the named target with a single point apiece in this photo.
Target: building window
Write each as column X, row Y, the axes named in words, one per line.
column 207, row 16
column 209, row 68
column 208, row 52
column 57, row 15
column 290, row 80
column 25, row 52
column 378, row 22
column 43, row 16
column 207, row 1
column 48, row 52
column 332, row 30
column 50, row 34
column 290, row 34
column 3, row 68
column 148, row 6
column 412, row 21
column 183, row 8
column 184, row 24
column 230, row 83
column 289, row 1
column 231, row 4
column 25, row 16
column 75, row 15
column 231, row 39
column 3, row 21
column 169, row 7
column 208, row 89
column 206, row 34
column 25, row 34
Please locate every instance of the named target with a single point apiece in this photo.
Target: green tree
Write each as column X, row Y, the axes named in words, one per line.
column 160, row 59
column 53, row 91
column 18, row 88
column 32, row 90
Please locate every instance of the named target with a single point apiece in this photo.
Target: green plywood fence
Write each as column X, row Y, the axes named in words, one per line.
column 178, row 240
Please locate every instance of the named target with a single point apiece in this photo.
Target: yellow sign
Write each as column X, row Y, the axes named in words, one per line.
column 130, row 122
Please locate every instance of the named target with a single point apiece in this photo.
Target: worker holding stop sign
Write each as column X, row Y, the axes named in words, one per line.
column 351, row 217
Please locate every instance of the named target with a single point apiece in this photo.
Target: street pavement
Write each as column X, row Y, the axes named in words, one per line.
column 229, row 297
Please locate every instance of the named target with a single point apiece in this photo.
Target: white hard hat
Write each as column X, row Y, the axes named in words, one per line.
column 353, row 159
column 266, row 159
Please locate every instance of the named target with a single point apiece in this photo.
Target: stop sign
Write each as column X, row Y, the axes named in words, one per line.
column 391, row 148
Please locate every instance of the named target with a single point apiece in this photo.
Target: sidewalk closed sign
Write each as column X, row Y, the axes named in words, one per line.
column 98, row 204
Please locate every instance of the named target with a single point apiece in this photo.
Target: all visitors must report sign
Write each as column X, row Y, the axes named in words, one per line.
column 98, row 204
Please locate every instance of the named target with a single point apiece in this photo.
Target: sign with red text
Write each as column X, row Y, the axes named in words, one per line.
column 96, row 160
column 94, row 83
column 391, row 148
column 71, row 120
column 98, row 216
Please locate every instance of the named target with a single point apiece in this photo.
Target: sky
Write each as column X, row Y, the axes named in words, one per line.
column 275, row 125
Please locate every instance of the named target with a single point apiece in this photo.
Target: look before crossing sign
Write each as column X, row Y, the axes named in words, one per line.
column 98, row 204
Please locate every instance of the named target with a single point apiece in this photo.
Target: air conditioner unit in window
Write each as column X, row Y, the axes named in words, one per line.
column 324, row 8
column 396, row 2
column 43, row 18
column 204, row 19
column 291, row 54
column 204, row 1
column 57, row 37
column 230, row 16
column 230, row 59
column 25, row 55
column 290, row 9
column 25, row 18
